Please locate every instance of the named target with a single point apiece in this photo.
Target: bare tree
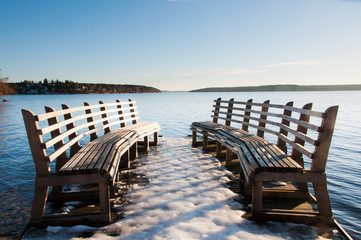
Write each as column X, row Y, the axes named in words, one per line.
column 4, row 89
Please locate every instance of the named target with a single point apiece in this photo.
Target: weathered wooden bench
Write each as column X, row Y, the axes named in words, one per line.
column 70, row 136
column 274, row 143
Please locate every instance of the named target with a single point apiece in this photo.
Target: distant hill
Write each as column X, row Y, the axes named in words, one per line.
column 70, row 87
column 282, row 88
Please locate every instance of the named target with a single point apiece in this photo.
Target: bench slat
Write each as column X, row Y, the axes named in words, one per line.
column 267, row 155
column 280, row 116
column 290, row 108
column 45, row 116
column 252, row 143
column 108, row 152
column 81, row 156
column 81, row 117
column 287, row 163
column 255, row 165
column 89, row 159
column 120, row 143
column 300, row 135
column 268, row 158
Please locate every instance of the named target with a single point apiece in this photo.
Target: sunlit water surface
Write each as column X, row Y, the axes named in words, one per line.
column 175, row 112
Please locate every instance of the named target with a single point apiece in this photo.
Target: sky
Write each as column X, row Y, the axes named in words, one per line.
column 180, row 45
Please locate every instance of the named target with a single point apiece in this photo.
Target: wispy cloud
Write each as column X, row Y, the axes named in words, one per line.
column 299, row 63
column 218, row 71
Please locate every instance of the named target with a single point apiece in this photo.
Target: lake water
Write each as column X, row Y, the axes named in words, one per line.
column 174, row 112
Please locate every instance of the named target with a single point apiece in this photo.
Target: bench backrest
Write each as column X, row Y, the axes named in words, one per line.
column 53, row 133
column 311, row 130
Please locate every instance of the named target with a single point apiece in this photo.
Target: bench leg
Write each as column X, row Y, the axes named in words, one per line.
column 125, row 160
column 218, row 148
column 57, row 190
column 302, row 186
column 156, row 140
column 205, row 142
column 257, row 197
column 323, row 200
column 247, row 189
column 146, row 144
column 134, row 151
column 104, row 201
column 229, row 156
column 194, row 139
column 39, row 202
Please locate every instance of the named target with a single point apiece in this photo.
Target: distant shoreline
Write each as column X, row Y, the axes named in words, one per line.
column 283, row 88
column 69, row 87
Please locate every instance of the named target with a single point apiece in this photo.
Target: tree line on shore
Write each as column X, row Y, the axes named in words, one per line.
column 4, row 88
column 69, row 87
column 283, row 88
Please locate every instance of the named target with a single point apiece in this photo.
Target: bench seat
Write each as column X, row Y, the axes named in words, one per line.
column 102, row 155
column 143, row 128
column 260, row 154
column 256, row 154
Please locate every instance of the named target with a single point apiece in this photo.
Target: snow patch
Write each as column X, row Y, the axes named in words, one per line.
column 186, row 198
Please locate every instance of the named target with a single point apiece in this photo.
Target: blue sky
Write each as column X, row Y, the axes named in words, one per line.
column 182, row 44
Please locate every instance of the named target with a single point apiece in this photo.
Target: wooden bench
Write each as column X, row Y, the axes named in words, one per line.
column 274, row 143
column 70, row 136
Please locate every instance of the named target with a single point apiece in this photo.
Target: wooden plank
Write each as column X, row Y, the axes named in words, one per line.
column 123, row 150
column 90, row 119
column 105, row 118
column 262, row 165
column 133, row 116
column 276, row 115
column 247, row 114
column 104, row 197
column 83, row 161
column 42, row 166
column 268, row 153
column 62, row 159
column 108, row 152
column 90, row 158
column 257, row 196
column 216, row 108
column 74, row 148
column 290, row 108
column 68, row 133
column 46, row 116
column 318, row 163
column 272, row 164
column 39, row 202
column 111, row 157
column 229, row 112
column 265, row 160
column 286, row 162
column 120, row 114
column 296, row 146
column 80, row 117
column 93, row 163
column 263, row 117
column 72, row 164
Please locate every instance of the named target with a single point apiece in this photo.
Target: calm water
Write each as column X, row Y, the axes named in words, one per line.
column 174, row 112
